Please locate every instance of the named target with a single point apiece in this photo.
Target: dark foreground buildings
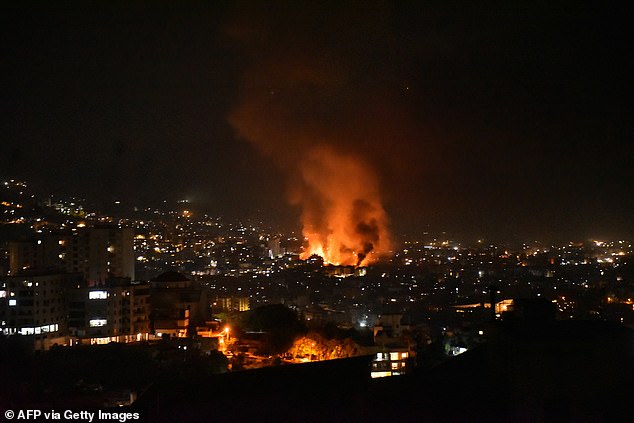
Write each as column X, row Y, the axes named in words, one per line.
column 539, row 371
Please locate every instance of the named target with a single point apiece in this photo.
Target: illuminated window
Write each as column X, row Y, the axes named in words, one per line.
column 97, row 295
column 3, row 294
column 95, row 323
column 13, row 303
column 393, row 356
column 27, row 331
column 380, row 374
column 381, row 356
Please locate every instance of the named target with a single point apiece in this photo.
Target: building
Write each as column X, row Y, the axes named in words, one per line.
column 34, row 305
column 98, row 253
column 117, row 311
column 99, row 305
column 40, row 253
column 390, row 329
column 395, row 346
column 178, row 305
column 274, row 248
column 140, row 308
column 227, row 304
column 390, row 363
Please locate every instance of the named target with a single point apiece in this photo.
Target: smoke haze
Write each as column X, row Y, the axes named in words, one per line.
column 303, row 107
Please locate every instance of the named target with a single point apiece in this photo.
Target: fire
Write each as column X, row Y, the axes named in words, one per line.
column 305, row 115
column 343, row 218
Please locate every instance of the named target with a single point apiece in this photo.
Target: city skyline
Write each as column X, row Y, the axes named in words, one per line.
column 502, row 123
column 167, row 313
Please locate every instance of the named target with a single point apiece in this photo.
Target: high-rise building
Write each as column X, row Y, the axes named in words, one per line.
column 34, row 254
column 98, row 253
column 34, row 305
column 114, row 311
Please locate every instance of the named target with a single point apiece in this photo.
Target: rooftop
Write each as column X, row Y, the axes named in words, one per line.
column 171, row 276
column 527, row 372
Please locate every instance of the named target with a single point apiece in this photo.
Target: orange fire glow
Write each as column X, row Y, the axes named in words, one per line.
column 342, row 216
column 291, row 110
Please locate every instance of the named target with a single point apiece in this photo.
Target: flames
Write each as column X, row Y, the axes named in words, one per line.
column 314, row 121
column 343, row 218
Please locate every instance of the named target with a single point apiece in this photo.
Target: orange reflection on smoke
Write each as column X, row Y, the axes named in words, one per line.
column 343, row 218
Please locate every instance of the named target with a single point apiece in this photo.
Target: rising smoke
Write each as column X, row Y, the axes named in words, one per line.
column 301, row 106
column 343, row 219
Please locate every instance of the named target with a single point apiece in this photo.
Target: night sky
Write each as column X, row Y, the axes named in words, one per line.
column 506, row 122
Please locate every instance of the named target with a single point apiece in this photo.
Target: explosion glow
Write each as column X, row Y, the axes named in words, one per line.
column 343, row 219
column 291, row 109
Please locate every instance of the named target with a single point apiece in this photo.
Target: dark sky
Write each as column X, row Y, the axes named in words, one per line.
column 508, row 121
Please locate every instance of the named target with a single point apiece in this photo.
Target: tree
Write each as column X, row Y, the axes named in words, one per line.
column 280, row 324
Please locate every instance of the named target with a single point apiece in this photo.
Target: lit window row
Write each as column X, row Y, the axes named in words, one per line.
column 31, row 330
column 96, row 323
column 97, row 295
column 392, row 356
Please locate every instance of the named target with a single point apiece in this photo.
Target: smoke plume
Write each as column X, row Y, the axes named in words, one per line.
column 343, row 219
column 301, row 106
